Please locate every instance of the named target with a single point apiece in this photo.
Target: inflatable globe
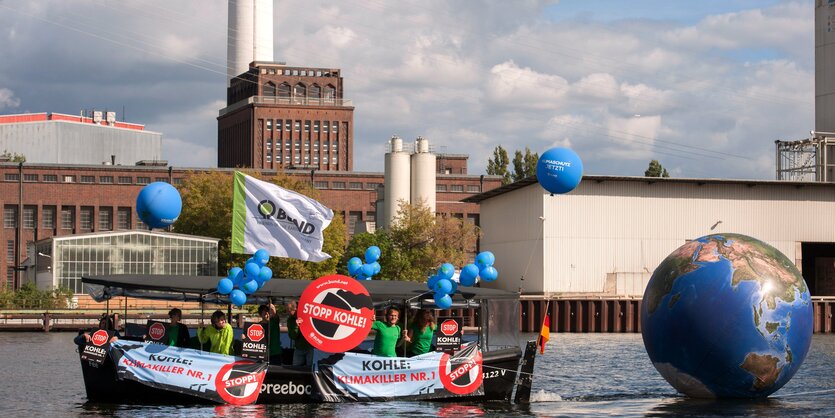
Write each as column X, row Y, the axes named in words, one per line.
column 726, row 316
column 159, row 204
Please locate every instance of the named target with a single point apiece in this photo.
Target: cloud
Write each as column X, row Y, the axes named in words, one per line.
column 8, row 99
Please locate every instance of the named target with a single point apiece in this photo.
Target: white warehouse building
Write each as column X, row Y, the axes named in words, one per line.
column 605, row 238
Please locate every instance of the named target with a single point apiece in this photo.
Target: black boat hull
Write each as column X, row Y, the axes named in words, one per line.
column 284, row 384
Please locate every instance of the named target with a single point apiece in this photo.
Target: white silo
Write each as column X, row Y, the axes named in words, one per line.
column 396, row 180
column 423, row 174
column 250, row 36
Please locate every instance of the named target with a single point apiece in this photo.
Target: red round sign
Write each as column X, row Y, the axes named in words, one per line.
column 255, row 333
column 156, row 331
column 99, row 337
column 335, row 313
column 449, row 327
column 462, row 378
column 238, row 386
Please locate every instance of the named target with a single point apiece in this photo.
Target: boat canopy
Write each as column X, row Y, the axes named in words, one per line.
column 203, row 288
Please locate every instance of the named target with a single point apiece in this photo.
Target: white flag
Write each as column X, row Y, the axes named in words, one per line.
column 283, row 222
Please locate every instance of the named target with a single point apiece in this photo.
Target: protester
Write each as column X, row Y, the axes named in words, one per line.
column 389, row 334
column 178, row 335
column 105, row 323
column 270, row 320
column 303, row 351
column 420, row 333
column 219, row 334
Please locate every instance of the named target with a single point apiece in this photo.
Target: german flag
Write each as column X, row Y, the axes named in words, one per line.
column 545, row 334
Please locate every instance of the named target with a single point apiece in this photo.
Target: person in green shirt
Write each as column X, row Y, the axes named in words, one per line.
column 177, row 331
column 389, row 334
column 303, row 351
column 220, row 334
column 270, row 320
column 420, row 333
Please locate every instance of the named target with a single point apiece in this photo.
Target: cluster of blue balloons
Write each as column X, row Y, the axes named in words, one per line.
column 365, row 271
column 444, row 287
column 247, row 280
column 559, row 170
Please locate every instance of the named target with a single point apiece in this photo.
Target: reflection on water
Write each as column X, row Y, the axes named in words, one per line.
column 580, row 374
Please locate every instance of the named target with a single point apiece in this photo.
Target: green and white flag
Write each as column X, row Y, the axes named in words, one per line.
column 281, row 221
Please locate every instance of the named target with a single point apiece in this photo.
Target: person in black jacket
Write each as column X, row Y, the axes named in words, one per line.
column 105, row 323
column 178, row 335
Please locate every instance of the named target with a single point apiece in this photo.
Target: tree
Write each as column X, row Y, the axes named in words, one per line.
column 656, row 170
column 12, row 156
column 497, row 166
column 207, row 211
column 416, row 244
column 524, row 166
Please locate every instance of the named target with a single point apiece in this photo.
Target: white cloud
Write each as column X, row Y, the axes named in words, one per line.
column 510, row 85
column 8, row 99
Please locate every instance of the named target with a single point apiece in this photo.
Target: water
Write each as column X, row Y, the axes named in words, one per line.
column 579, row 375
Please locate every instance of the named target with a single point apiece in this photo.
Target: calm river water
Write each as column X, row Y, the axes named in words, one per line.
column 580, row 374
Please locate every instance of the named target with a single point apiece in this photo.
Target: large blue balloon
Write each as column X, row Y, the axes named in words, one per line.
column 237, row 297
column 559, row 170
column 250, row 287
column 354, row 264
column 159, row 204
column 252, row 270
column 262, row 257
column 442, row 300
column 372, row 254
column 484, row 259
column 468, row 275
column 488, row 274
column 431, row 282
column 367, row 270
column 443, row 286
column 224, row 286
column 377, row 267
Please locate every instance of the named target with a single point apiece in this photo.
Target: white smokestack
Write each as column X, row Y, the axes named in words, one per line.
column 250, row 35
column 397, row 181
column 423, row 174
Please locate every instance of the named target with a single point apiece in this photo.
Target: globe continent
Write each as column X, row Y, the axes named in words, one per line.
column 726, row 316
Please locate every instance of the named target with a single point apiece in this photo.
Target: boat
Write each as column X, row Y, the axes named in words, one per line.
column 503, row 372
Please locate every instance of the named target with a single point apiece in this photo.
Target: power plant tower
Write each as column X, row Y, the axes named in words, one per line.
column 825, row 66
column 423, row 174
column 396, row 181
column 250, row 35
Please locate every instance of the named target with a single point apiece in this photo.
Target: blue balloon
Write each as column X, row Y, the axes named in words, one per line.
column 250, row 286
column 367, row 270
column 224, row 286
column 377, row 267
column 237, row 297
column 442, row 301
column 443, row 286
column 468, row 275
column 484, row 259
column 236, row 274
column 372, row 254
column 559, row 170
column 446, row 271
column 361, row 276
column 431, row 282
column 354, row 264
column 252, row 270
column 262, row 257
column 488, row 274
column 159, row 204
column 265, row 274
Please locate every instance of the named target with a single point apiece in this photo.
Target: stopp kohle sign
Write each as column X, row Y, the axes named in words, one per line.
column 448, row 334
column 335, row 313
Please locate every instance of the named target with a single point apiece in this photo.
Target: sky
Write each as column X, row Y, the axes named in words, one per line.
column 705, row 87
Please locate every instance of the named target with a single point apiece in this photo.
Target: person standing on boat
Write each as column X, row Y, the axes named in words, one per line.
column 389, row 334
column 303, row 351
column 270, row 320
column 178, row 335
column 105, row 323
column 220, row 334
column 420, row 333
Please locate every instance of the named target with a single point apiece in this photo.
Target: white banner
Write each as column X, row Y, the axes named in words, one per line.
column 281, row 221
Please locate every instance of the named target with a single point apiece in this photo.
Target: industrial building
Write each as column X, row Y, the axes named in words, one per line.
column 594, row 250
column 55, row 138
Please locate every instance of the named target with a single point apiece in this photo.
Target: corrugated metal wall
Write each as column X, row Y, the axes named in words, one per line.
column 57, row 142
column 609, row 235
